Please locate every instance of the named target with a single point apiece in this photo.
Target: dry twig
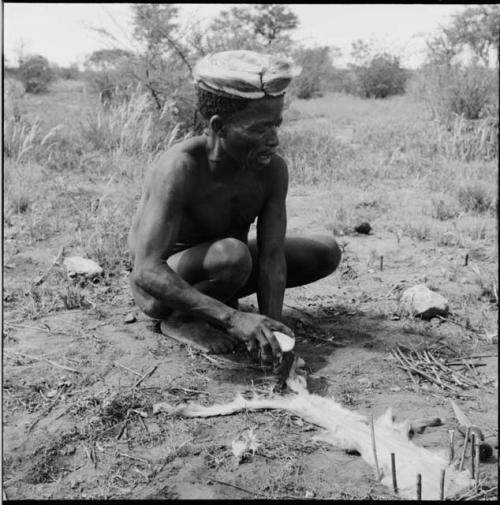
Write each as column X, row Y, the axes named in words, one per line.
column 429, row 367
column 374, row 447
column 42, row 277
column 127, row 368
column 53, row 363
column 147, row 375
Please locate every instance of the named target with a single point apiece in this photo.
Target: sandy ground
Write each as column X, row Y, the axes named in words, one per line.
column 85, row 431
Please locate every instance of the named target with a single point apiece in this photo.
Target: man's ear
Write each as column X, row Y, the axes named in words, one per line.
column 216, row 125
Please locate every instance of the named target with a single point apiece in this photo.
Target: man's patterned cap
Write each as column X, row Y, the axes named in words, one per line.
column 245, row 74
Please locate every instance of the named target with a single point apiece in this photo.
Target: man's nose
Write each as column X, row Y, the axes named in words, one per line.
column 272, row 139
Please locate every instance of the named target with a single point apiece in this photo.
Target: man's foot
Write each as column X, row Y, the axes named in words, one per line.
column 198, row 334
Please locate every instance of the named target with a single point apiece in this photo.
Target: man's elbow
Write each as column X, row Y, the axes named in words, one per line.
column 142, row 276
column 137, row 277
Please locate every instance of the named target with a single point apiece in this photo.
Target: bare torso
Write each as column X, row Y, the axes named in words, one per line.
column 219, row 204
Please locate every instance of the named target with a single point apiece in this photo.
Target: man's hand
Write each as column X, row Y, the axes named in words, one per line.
column 256, row 331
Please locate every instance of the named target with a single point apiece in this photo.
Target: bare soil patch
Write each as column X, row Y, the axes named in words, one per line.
column 76, row 427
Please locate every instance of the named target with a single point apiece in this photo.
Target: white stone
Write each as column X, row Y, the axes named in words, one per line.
column 420, row 301
column 76, row 265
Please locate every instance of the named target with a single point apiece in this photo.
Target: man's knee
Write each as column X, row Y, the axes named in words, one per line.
column 329, row 256
column 229, row 260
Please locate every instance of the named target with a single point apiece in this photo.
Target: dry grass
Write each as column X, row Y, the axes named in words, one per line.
column 73, row 176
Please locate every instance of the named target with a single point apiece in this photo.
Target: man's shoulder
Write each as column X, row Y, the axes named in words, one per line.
column 182, row 160
column 277, row 169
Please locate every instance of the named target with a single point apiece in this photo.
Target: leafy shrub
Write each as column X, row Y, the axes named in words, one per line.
column 470, row 91
column 443, row 208
column 36, row 74
column 475, row 197
column 382, row 77
column 68, row 73
column 344, row 80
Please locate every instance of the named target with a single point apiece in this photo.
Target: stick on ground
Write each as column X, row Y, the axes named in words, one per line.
column 147, row 375
column 472, row 455
column 374, row 447
column 393, row 468
column 441, row 484
column 128, row 369
column 419, row 487
column 464, row 449
column 451, row 434
column 477, row 454
column 53, row 363
column 42, row 277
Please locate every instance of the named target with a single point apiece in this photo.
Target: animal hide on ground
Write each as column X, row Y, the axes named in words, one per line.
column 352, row 431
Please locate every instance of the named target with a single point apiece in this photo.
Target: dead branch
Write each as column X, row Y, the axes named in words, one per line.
column 42, row 277
column 147, row 375
column 125, row 455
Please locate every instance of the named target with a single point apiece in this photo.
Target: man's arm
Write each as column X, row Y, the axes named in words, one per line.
column 271, row 229
column 156, row 234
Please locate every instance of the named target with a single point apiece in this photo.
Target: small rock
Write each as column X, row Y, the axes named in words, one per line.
column 310, row 494
column 154, row 429
column 485, row 451
column 76, row 265
column 364, row 228
column 68, row 450
column 420, row 301
column 130, row 318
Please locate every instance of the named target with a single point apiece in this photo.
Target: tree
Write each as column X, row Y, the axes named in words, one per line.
column 443, row 47
column 272, row 21
column 156, row 28
column 107, row 59
column 317, row 70
column 361, row 52
column 35, row 74
column 110, row 73
column 476, row 28
column 260, row 25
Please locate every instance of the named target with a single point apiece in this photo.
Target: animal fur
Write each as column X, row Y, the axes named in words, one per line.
column 351, row 431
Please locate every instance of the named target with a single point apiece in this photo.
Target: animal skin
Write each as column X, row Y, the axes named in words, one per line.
column 351, row 431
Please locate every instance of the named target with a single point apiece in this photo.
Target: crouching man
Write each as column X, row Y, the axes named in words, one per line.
column 189, row 237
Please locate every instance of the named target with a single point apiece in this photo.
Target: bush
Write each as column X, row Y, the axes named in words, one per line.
column 382, row 77
column 343, row 80
column 471, row 91
column 68, row 73
column 475, row 197
column 36, row 74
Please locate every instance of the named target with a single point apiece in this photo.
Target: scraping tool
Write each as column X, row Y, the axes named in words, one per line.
column 287, row 360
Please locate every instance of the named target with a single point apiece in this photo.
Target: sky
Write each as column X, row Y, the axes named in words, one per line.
column 66, row 33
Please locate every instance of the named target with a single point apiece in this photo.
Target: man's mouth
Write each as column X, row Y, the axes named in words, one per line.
column 265, row 158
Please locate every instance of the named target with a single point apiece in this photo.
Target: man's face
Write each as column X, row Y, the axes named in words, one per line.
column 250, row 136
